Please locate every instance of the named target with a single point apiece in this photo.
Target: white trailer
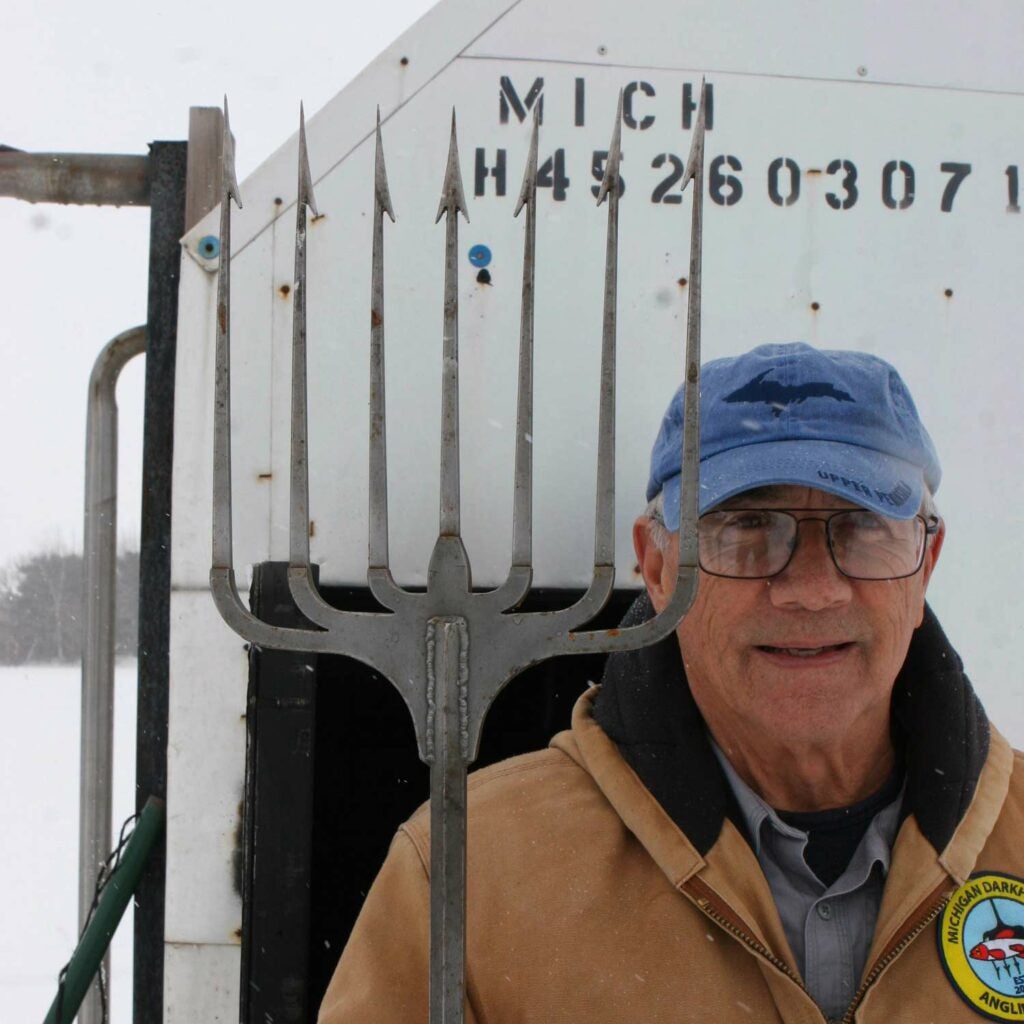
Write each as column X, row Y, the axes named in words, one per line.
column 863, row 192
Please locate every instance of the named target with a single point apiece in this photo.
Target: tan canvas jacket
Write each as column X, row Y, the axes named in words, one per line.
column 587, row 903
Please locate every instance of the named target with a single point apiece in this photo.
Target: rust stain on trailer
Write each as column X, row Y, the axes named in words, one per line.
column 265, row 476
column 222, row 316
column 948, row 293
column 237, row 853
column 682, row 282
column 814, row 170
column 285, row 290
column 815, row 306
column 319, row 217
column 312, row 527
column 375, row 318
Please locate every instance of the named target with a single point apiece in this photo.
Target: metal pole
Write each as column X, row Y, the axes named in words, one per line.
column 447, row 643
column 99, row 586
column 166, row 226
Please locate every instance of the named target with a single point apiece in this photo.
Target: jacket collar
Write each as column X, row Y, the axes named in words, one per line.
column 646, row 708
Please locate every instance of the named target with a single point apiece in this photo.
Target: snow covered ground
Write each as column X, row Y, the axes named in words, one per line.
column 39, row 745
column 39, row 748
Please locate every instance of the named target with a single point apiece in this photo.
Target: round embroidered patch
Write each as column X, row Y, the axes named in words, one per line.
column 981, row 945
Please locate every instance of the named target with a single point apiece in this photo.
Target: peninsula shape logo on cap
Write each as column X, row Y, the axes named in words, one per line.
column 777, row 396
column 981, row 945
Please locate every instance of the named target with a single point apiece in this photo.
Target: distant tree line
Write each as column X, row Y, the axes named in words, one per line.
column 41, row 608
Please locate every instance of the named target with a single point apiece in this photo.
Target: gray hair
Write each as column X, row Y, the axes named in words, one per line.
column 659, row 533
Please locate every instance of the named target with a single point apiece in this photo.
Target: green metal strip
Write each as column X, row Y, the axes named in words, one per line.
column 88, row 954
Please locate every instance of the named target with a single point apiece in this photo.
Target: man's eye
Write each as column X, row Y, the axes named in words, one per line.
column 752, row 521
column 865, row 523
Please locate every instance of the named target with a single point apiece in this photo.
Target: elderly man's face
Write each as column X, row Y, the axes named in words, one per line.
column 804, row 656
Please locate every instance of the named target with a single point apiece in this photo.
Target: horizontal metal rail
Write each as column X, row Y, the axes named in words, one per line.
column 83, row 179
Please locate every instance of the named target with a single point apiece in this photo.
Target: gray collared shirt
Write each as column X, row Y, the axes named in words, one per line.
column 829, row 928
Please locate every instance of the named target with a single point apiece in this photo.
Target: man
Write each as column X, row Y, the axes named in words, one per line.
column 783, row 823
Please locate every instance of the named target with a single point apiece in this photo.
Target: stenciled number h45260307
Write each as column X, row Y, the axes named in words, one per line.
column 450, row 650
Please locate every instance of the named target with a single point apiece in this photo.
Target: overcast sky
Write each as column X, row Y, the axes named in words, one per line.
column 109, row 77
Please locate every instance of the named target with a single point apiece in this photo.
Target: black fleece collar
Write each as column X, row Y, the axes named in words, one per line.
column 646, row 708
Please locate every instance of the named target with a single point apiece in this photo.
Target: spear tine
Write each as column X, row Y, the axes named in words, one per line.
column 378, row 511
column 299, row 517
column 689, row 503
column 604, row 530
column 686, row 579
column 522, row 514
column 453, row 201
column 222, row 543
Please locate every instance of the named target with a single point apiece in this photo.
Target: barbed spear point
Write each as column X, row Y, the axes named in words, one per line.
column 453, row 198
column 381, row 192
column 305, row 196
column 611, row 167
column 229, row 182
column 528, row 193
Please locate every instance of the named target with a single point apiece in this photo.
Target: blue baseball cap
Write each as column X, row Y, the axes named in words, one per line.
column 842, row 422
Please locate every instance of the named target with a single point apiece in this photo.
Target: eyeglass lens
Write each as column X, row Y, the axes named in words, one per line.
column 755, row 543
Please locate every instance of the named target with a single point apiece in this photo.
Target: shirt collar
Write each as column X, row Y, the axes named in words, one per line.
column 785, row 843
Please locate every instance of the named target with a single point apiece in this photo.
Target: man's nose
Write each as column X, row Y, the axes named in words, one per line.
column 811, row 580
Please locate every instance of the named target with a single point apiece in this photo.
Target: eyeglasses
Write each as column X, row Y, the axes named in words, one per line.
column 743, row 543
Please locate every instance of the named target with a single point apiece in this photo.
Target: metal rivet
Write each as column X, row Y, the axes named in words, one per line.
column 209, row 247
column 862, row 70
column 602, row 50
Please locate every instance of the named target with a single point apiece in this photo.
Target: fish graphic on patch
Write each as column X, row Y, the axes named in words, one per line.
column 1001, row 945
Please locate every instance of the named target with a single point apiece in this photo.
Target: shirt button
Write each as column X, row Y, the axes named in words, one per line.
column 824, row 911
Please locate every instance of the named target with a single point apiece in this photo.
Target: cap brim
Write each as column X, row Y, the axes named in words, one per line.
column 870, row 479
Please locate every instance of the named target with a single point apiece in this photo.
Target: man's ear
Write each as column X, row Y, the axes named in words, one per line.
column 931, row 553
column 931, row 556
column 651, row 561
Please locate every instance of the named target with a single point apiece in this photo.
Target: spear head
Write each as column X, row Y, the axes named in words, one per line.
column 695, row 161
column 453, row 198
column 229, row 183
column 528, row 193
column 305, row 197
column 381, row 192
column 611, row 167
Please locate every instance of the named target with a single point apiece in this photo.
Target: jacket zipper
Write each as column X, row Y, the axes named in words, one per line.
column 901, row 944
column 702, row 896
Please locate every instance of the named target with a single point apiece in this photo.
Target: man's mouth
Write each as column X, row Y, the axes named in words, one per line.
column 805, row 652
